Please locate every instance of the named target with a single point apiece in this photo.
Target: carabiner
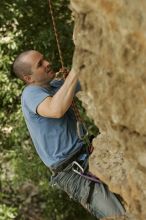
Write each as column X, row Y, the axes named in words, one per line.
column 77, row 166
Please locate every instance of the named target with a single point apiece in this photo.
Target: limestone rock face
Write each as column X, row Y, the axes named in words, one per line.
column 110, row 57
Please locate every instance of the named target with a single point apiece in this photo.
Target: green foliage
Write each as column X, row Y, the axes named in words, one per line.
column 24, row 25
column 7, row 213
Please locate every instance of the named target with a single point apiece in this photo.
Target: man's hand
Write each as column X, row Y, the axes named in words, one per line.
column 63, row 73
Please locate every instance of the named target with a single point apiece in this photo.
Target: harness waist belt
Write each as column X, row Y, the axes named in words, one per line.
column 64, row 164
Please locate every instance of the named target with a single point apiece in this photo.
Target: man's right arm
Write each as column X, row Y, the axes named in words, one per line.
column 56, row 106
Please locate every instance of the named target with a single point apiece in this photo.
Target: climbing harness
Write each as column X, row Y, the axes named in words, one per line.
column 76, row 167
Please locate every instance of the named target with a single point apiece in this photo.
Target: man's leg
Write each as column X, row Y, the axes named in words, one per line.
column 95, row 197
column 103, row 203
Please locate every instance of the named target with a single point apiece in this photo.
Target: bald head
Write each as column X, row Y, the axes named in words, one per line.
column 21, row 65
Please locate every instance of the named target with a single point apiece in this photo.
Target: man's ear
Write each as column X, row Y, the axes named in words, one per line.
column 27, row 78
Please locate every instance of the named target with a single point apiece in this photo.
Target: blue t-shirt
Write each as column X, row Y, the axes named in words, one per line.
column 55, row 139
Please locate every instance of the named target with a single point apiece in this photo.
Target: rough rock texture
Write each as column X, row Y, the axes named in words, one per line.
column 110, row 56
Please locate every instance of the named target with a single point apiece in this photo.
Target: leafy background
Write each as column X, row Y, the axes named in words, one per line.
column 25, row 193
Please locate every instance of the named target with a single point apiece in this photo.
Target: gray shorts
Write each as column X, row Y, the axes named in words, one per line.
column 95, row 197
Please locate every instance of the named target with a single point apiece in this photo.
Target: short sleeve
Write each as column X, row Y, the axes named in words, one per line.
column 32, row 96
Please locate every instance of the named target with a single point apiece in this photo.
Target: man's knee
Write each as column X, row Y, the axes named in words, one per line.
column 104, row 203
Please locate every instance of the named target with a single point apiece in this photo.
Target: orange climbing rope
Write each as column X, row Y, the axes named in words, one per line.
column 79, row 119
column 56, row 34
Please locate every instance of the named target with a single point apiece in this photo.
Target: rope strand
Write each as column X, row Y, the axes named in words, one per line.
column 56, row 34
column 77, row 114
column 74, row 106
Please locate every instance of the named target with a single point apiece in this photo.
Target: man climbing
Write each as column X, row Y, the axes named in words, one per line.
column 46, row 105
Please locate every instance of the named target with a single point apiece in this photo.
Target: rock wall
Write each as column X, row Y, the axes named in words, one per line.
column 110, row 57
